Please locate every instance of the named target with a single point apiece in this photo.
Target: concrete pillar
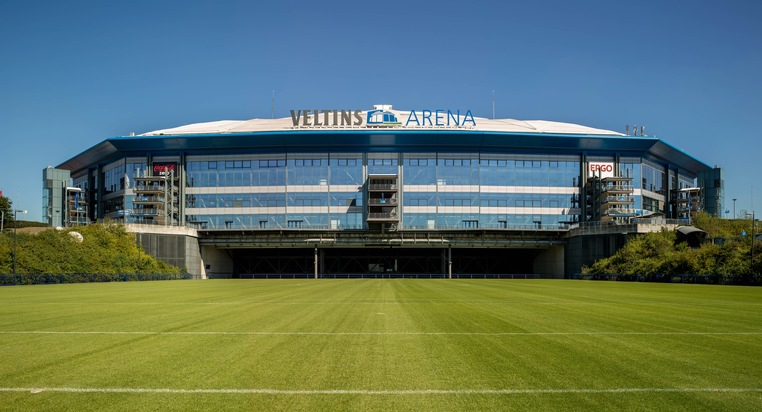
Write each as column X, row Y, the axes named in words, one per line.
column 449, row 262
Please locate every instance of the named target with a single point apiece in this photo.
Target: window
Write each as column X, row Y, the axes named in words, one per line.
column 294, row 224
column 470, row 224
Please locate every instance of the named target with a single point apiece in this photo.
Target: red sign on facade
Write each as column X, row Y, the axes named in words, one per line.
column 601, row 169
column 163, row 169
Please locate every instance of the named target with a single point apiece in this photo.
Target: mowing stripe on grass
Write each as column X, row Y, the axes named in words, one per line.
column 380, row 392
column 51, row 332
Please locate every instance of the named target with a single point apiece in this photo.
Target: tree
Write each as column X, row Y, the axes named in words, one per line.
column 647, row 255
column 6, row 206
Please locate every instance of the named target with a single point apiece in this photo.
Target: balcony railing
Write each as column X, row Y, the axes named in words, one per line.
column 627, row 199
column 382, row 216
column 378, row 187
column 382, row 202
column 620, row 212
column 617, row 188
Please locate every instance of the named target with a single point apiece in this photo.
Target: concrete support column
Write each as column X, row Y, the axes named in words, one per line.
column 449, row 262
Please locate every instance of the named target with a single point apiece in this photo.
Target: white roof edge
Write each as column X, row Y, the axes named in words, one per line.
column 482, row 124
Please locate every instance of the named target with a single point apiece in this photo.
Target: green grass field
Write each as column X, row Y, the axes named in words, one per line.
column 380, row 344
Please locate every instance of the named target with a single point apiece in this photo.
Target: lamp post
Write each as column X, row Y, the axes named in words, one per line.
column 734, row 209
column 15, row 218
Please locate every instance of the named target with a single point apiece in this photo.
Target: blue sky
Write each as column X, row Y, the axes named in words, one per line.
column 75, row 73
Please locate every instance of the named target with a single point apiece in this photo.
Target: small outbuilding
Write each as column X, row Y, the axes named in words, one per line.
column 692, row 235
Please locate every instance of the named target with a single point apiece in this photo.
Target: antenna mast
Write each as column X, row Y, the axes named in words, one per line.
column 493, row 105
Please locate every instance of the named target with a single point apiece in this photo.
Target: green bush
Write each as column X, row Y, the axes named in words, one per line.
column 657, row 256
column 105, row 253
column 36, row 279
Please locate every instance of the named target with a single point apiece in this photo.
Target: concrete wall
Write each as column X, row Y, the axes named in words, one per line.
column 174, row 245
column 178, row 250
column 216, row 263
column 586, row 249
column 550, row 262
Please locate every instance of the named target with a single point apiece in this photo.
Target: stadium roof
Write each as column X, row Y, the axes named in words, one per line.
column 471, row 134
column 481, row 124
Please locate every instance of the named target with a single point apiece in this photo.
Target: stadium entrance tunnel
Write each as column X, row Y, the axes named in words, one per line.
column 391, row 262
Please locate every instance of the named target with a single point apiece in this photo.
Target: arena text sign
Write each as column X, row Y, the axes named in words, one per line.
column 380, row 118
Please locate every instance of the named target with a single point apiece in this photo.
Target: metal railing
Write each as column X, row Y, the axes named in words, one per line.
column 382, row 216
column 384, row 275
column 382, row 202
column 621, row 188
column 382, row 186
column 618, row 199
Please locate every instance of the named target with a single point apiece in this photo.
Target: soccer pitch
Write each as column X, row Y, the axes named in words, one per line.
column 380, row 345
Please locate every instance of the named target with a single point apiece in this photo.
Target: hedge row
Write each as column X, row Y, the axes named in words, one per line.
column 26, row 279
column 741, row 280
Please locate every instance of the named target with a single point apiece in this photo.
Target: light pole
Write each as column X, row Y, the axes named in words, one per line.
column 15, row 218
column 734, row 208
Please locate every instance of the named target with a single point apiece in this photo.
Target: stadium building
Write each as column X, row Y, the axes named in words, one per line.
column 382, row 192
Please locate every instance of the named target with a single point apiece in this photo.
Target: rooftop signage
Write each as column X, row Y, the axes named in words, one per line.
column 318, row 118
column 381, row 117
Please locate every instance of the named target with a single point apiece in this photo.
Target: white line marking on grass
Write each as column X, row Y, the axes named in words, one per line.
column 381, row 392
column 265, row 333
column 449, row 302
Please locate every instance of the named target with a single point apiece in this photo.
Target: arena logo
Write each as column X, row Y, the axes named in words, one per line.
column 322, row 118
column 441, row 118
column 380, row 117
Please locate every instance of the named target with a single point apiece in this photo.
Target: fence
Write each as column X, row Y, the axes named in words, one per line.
column 388, row 276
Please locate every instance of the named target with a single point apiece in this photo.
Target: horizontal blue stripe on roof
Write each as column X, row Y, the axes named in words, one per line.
column 379, row 141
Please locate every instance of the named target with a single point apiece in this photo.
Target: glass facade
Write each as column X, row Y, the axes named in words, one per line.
column 712, row 183
column 327, row 190
column 330, row 190
column 654, row 178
